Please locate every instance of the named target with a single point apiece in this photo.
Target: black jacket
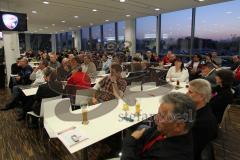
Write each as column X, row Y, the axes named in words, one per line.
column 219, row 102
column 44, row 91
column 204, row 130
column 25, row 73
column 173, row 148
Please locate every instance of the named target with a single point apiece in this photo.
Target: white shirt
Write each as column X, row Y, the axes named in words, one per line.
column 106, row 65
column 84, row 67
column 37, row 77
column 181, row 76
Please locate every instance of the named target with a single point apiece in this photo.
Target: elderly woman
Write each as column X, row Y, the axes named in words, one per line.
column 177, row 72
column 223, row 94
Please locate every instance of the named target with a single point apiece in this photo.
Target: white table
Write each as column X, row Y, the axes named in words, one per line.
column 108, row 124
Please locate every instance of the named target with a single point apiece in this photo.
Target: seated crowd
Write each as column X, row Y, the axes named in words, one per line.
column 210, row 91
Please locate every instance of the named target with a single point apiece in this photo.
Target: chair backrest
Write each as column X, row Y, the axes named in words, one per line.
column 43, row 103
column 50, row 110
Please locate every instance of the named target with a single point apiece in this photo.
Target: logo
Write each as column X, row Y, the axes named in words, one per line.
column 10, row 21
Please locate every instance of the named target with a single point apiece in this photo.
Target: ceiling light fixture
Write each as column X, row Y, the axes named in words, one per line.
column 157, row 9
column 46, row 27
column 40, row 29
column 91, row 24
column 94, row 10
column 75, row 16
column 53, row 24
column 63, row 21
column 128, row 15
column 79, row 26
column 200, row 0
column 122, row 1
column 34, row 12
column 106, row 20
column 45, row 2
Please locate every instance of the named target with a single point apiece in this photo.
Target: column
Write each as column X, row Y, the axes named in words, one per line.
column 27, row 41
column 11, row 50
column 54, row 42
column 130, row 34
column 158, row 35
column 77, row 39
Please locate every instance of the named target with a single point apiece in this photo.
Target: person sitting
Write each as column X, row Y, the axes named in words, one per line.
column 236, row 62
column 205, row 127
column 37, row 75
column 216, row 58
column 171, row 139
column 53, row 61
column 209, row 59
column 136, row 64
column 223, row 94
column 111, row 86
column 15, row 69
column 194, row 67
column 46, row 90
column 88, row 66
column 208, row 73
column 64, row 70
column 106, row 63
column 23, row 78
column 166, row 58
column 177, row 72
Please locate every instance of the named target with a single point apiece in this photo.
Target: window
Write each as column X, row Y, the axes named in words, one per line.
column 121, row 30
column 217, row 28
column 85, row 38
column 108, row 32
column 58, row 42
column 96, row 37
column 69, row 41
column 146, row 33
column 176, row 32
column 40, row 42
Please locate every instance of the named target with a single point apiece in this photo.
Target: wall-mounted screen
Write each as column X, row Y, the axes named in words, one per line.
column 10, row 21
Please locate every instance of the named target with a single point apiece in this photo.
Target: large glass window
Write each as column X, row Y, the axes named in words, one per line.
column 69, row 41
column 176, row 32
column 146, row 33
column 108, row 33
column 58, row 42
column 218, row 28
column 85, row 38
column 96, row 37
column 121, row 30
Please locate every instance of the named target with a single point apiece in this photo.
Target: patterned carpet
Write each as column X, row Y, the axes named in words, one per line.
column 18, row 142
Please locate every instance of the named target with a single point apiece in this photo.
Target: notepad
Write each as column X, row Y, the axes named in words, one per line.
column 71, row 136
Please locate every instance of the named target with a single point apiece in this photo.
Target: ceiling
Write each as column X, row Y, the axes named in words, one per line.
column 49, row 17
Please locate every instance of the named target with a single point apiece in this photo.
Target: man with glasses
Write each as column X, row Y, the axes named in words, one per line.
column 171, row 139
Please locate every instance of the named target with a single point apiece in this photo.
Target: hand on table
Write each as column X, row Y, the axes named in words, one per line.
column 138, row 133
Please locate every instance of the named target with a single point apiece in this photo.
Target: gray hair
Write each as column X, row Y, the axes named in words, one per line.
column 184, row 107
column 203, row 87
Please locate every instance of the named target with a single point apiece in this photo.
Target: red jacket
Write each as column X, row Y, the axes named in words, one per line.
column 80, row 80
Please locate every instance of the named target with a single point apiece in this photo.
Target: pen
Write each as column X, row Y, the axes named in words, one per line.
column 68, row 129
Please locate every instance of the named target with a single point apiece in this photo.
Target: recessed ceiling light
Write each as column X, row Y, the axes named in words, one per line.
column 106, row 20
column 122, row 0
column 79, row 26
column 94, row 10
column 75, row 16
column 40, row 29
column 46, row 27
column 200, row 0
column 91, row 24
column 45, row 2
column 53, row 24
column 34, row 12
column 157, row 9
column 128, row 15
column 63, row 21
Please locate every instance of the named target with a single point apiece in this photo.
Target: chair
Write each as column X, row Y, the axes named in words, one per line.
column 226, row 146
column 44, row 101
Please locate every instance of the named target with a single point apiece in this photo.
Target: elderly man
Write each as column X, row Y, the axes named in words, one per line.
column 209, row 73
column 64, row 71
column 37, row 75
column 53, row 61
column 171, row 139
column 205, row 127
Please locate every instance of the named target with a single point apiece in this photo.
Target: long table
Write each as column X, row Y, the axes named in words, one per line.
column 111, row 122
